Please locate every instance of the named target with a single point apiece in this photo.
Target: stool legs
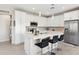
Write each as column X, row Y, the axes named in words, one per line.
column 52, row 53
column 41, row 51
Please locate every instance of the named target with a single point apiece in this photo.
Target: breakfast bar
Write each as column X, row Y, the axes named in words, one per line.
column 30, row 40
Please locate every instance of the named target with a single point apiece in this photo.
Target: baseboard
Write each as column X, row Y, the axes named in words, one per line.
column 2, row 40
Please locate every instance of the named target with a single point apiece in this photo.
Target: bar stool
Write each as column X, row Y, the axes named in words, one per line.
column 53, row 41
column 60, row 39
column 44, row 43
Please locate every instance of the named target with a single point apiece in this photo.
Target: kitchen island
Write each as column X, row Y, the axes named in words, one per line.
column 30, row 40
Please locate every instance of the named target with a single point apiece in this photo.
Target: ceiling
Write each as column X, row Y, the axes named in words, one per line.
column 37, row 8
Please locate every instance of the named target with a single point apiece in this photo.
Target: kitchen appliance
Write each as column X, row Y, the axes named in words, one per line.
column 34, row 31
column 33, row 24
column 34, row 28
column 71, row 32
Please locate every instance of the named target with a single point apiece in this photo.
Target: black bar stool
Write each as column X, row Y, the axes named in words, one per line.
column 60, row 39
column 44, row 43
column 53, row 41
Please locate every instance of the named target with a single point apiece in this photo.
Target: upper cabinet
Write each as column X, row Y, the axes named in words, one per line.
column 19, row 19
column 71, row 15
column 56, row 21
column 50, row 21
column 42, row 21
column 59, row 20
column 24, row 19
column 29, row 18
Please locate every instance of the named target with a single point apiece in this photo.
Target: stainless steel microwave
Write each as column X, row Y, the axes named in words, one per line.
column 33, row 24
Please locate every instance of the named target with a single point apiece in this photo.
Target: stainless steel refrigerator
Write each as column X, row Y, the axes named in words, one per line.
column 71, row 32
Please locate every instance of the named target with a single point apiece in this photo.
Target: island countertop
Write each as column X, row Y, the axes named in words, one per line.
column 30, row 40
column 44, row 35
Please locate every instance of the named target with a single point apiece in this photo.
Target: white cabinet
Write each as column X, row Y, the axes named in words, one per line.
column 59, row 20
column 50, row 21
column 42, row 21
column 71, row 15
column 19, row 26
column 29, row 18
column 67, row 16
column 56, row 21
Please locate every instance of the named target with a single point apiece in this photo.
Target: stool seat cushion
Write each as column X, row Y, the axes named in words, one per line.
column 41, row 45
column 53, row 41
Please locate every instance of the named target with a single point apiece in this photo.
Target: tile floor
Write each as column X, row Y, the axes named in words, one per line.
column 7, row 49
column 68, row 49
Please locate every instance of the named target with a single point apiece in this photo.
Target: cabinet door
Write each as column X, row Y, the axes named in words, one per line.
column 28, row 19
column 42, row 21
column 17, row 21
column 74, row 15
column 67, row 16
column 71, row 15
column 19, row 26
column 58, row 20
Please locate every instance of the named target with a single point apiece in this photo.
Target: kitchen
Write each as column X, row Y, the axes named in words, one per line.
column 30, row 24
column 36, row 29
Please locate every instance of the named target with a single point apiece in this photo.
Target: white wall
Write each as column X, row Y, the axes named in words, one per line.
column 4, row 27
